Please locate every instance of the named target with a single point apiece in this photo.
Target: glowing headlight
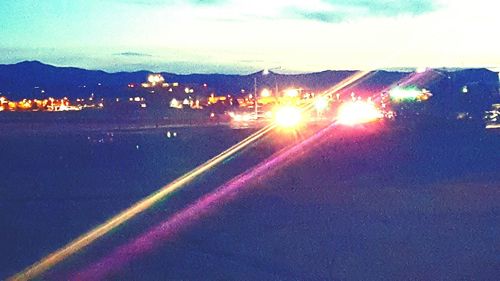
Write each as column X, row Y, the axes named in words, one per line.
column 353, row 113
column 288, row 116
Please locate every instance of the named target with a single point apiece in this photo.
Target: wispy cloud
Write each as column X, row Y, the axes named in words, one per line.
column 389, row 7
column 339, row 11
column 330, row 17
column 132, row 54
column 207, row 2
column 169, row 2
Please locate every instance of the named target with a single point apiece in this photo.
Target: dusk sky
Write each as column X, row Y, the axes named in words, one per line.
column 239, row 36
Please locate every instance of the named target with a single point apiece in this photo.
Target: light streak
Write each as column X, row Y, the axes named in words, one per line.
column 101, row 230
column 203, row 206
column 346, row 82
column 355, row 78
column 86, row 239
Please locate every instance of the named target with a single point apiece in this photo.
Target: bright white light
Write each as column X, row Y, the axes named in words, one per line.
column 354, row 113
column 155, row 78
column 321, row 104
column 288, row 116
column 246, row 117
column 175, row 104
column 265, row 93
column 421, row 69
column 292, row 92
column 237, row 118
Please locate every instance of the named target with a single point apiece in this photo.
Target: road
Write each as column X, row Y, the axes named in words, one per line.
column 372, row 204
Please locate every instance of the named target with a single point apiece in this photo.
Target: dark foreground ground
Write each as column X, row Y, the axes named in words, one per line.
column 378, row 204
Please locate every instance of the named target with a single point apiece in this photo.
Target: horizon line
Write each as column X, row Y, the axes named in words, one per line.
column 402, row 69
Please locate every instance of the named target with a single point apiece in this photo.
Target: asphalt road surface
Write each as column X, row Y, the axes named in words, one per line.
column 356, row 204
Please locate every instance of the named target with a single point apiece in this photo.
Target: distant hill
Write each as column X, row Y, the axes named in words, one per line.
column 33, row 79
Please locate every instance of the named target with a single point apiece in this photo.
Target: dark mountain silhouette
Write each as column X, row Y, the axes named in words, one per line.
column 33, row 79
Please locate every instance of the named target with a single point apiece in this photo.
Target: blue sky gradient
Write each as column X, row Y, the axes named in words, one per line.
column 237, row 36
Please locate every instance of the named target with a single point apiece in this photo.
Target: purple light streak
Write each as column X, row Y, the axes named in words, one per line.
column 167, row 229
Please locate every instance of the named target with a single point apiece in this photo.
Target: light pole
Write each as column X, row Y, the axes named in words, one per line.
column 264, row 72
column 255, row 96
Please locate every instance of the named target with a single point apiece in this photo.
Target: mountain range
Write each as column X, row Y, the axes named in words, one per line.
column 34, row 79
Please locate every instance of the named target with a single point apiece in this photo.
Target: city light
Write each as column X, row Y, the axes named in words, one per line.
column 174, row 103
column 358, row 112
column 292, row 93
column 265, row 93
column 288, row 116
column 321, row 104
column 405, row 94
column 155, row 78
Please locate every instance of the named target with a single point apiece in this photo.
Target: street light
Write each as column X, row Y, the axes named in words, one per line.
column 266, row 71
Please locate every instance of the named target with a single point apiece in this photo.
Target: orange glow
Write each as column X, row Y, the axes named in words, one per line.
column 12, row 105
column 358, row 112
column 214, row 99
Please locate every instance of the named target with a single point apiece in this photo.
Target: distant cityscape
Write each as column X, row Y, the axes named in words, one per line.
column 455, row 94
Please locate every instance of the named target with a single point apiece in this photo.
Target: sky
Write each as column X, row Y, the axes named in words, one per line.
column 241, row 36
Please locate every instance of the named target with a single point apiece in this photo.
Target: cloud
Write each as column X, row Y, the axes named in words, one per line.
column 132, row 54
column 391, row 7
column 207, row 2
column 330, row 17
column 169, row 2
column 339, row 10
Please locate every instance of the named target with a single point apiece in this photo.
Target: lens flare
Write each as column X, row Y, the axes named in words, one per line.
column 359, row 112
column 123, row 255
column 288, row 116
column 86, row 239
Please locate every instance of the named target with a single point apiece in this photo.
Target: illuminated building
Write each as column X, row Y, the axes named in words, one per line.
column 154, row 80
